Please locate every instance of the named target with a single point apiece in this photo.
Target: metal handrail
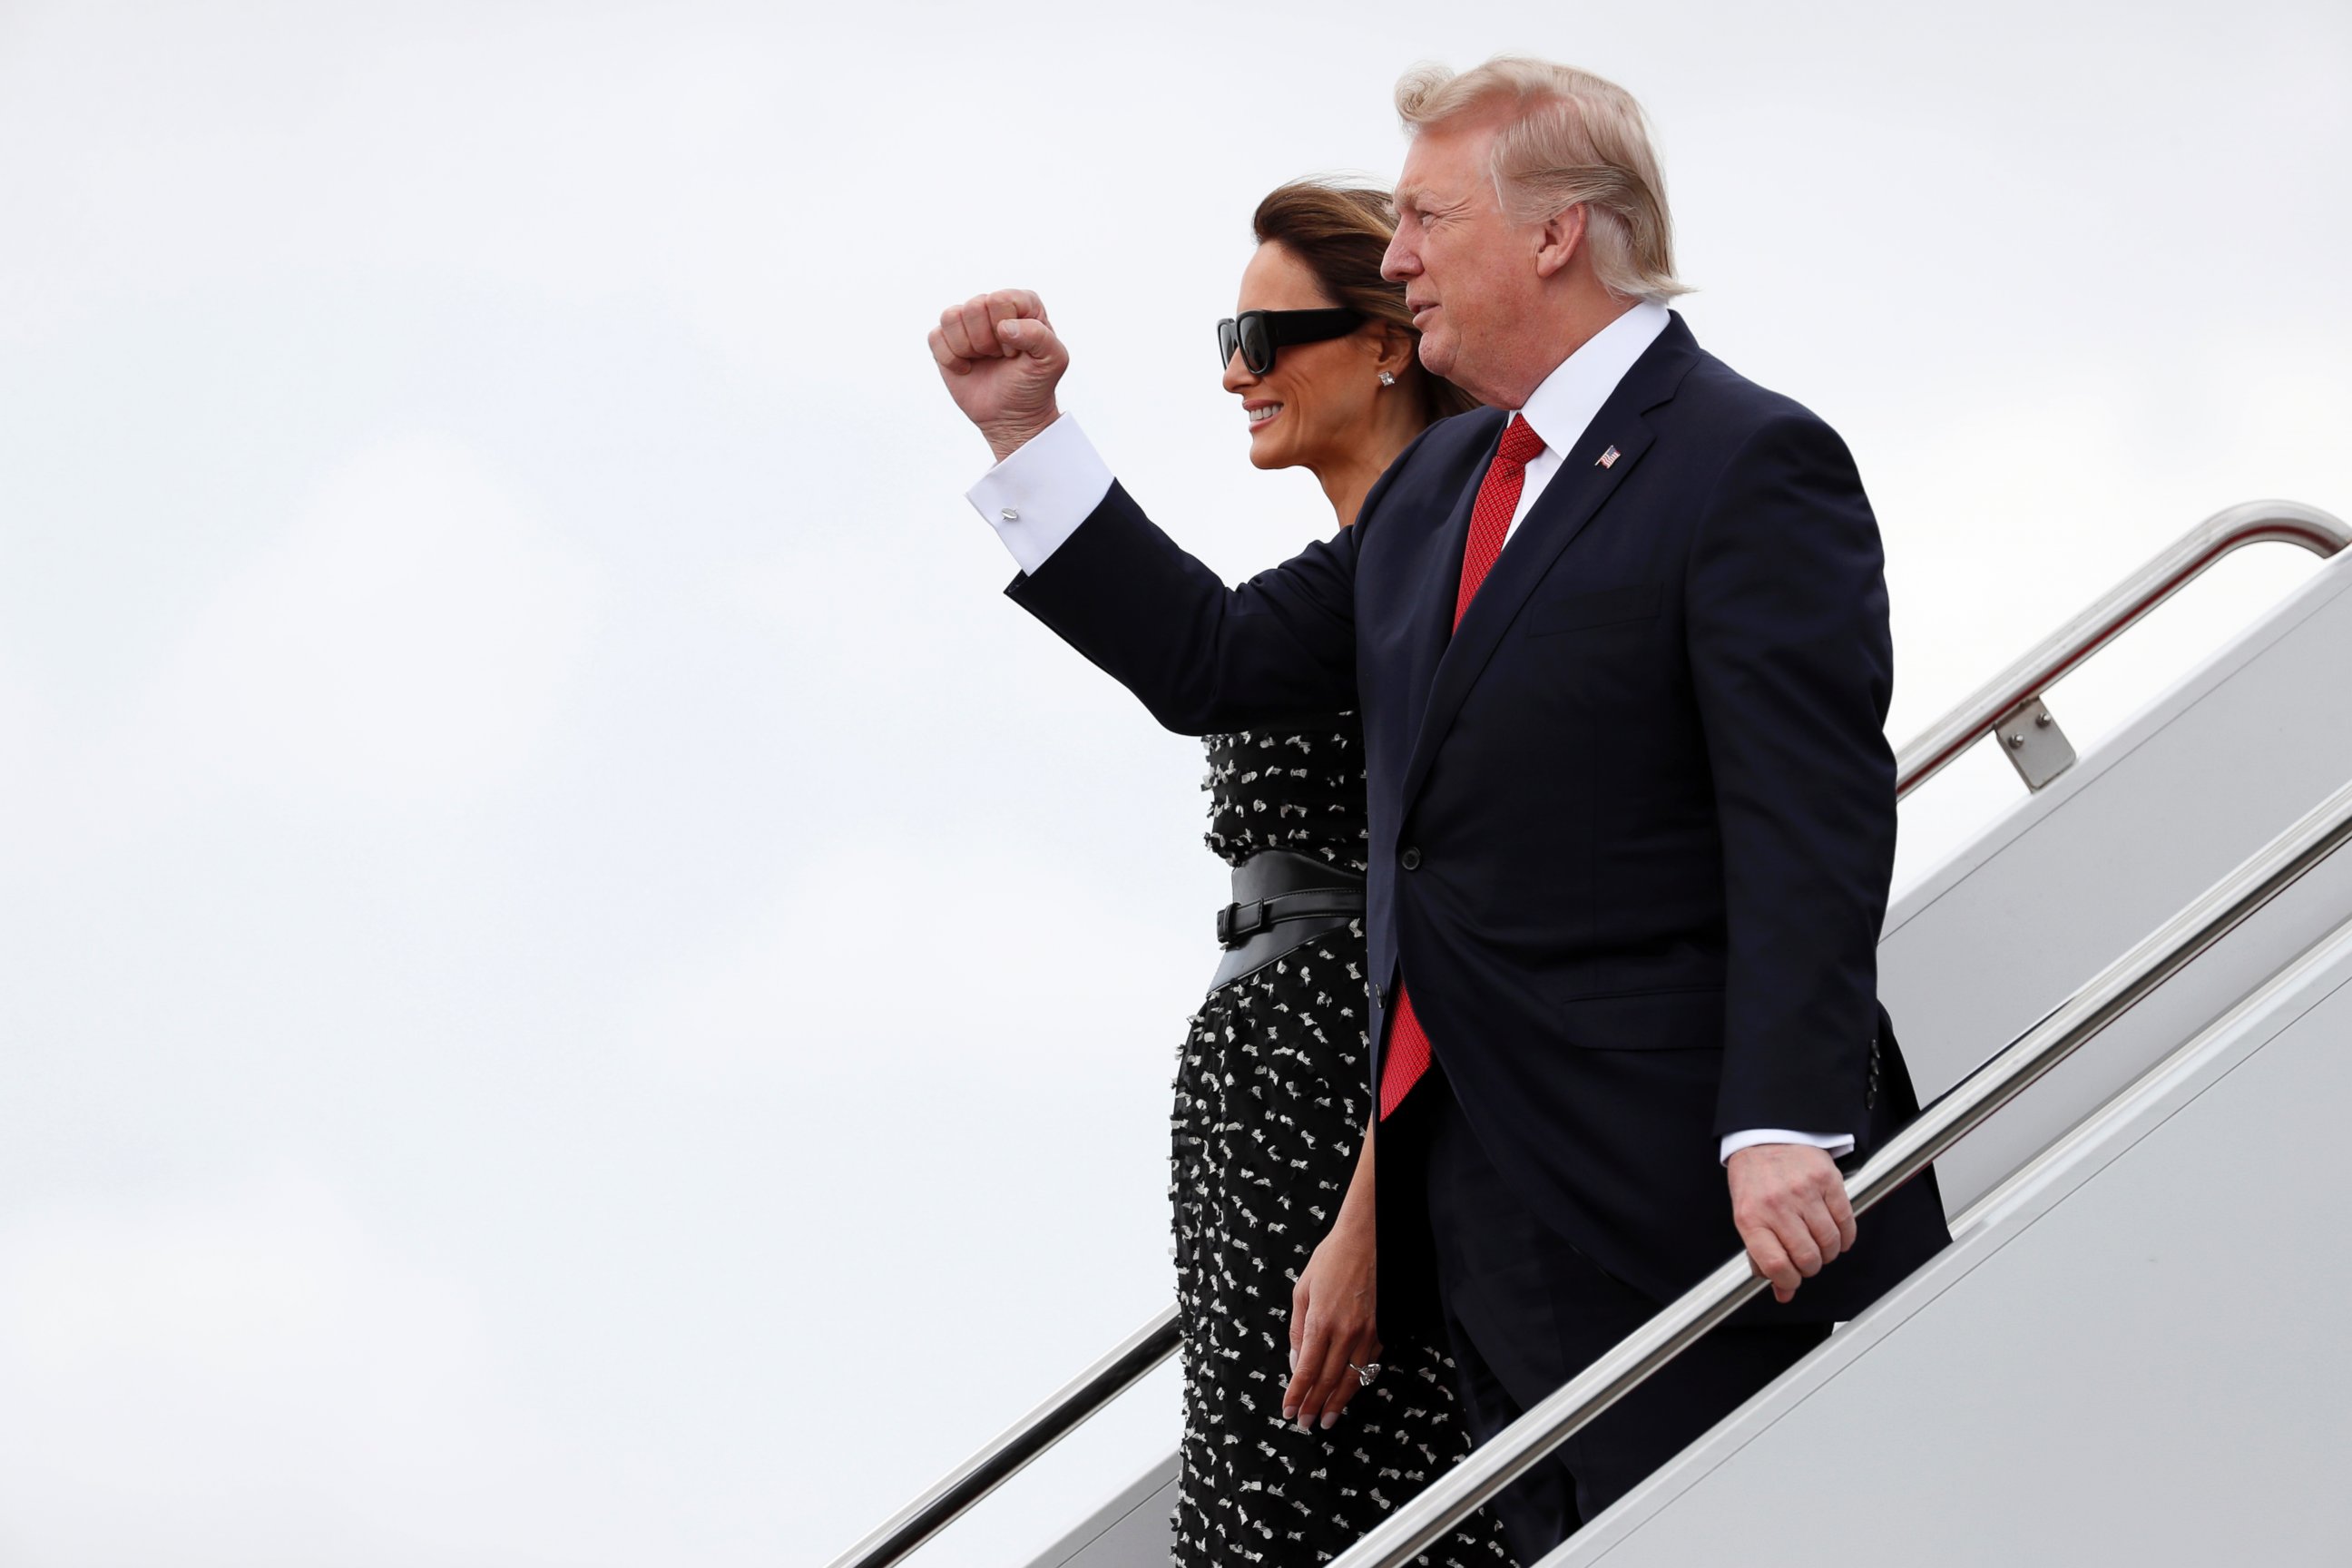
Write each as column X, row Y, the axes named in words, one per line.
column 1494, row 1465
column 2254, row 522
column 1018, row 1443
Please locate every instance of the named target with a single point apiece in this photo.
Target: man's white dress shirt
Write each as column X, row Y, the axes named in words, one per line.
column 1037, row 497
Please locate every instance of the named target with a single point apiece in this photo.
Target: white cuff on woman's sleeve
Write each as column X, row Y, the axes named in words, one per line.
column 1036, row 498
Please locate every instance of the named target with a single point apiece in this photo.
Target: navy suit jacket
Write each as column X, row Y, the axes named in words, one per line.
column 1632, row 822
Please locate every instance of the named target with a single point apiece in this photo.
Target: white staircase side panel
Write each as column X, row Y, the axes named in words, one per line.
column 1992, row 941
column 1134, row 1530
column 2135, row 1354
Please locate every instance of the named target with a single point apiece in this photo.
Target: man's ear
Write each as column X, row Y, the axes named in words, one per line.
column 1558, row 240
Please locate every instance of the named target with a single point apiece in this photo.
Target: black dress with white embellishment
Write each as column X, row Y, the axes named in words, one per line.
column 1273, row 1094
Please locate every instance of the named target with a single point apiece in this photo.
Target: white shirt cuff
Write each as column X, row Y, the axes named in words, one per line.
column 1036, row 498
column 1839, row 1144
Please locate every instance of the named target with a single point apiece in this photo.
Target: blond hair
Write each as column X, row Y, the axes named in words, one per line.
column 1572, row 139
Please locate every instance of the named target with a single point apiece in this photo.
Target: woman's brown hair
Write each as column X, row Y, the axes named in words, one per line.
column 1340, row 233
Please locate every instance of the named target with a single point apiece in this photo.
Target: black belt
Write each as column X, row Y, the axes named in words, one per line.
column 1282, row 901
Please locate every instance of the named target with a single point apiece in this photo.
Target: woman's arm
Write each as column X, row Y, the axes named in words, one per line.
column 1332, row 1320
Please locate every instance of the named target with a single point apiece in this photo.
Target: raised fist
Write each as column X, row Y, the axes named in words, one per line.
column 1000, row 361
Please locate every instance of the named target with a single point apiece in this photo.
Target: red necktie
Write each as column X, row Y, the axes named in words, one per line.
column 1490, row 523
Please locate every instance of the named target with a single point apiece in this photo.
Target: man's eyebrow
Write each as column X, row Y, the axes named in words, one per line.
column 1406, row 196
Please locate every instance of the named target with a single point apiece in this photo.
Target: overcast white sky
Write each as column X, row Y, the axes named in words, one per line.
column 576, row 986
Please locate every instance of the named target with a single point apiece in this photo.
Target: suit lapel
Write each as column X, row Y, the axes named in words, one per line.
column 1433, row 612
column 1575, row 493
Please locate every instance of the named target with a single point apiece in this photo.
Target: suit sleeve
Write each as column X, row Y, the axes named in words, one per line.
column 1793, row 666
column 1201, row 656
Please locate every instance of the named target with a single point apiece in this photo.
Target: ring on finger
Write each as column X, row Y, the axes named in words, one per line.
column 1365, row 1374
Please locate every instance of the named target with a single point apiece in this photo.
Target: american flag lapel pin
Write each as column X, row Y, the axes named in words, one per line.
column 1608, row 458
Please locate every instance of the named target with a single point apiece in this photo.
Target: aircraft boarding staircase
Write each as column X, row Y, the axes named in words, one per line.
column 2135, row 1349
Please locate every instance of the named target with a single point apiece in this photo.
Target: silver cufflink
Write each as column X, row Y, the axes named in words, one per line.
column 1010, row 514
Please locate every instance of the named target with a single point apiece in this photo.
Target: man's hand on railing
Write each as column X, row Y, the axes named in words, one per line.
column 1790, row 1204
column 1333, row 1331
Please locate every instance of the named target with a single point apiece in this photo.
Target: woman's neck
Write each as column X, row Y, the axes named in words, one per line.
column 1348, row 475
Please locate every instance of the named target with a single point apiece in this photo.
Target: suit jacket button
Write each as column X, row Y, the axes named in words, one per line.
column 1410, row 859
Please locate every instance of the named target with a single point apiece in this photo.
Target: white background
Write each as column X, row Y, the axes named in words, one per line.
column 575, row 987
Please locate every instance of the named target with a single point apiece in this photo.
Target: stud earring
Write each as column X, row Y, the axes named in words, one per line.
column 1387, row 379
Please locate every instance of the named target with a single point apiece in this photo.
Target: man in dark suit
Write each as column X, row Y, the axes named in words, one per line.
column 1622, row 659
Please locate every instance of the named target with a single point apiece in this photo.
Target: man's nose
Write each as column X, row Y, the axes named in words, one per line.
column 1398, row 263
column 1238, row 374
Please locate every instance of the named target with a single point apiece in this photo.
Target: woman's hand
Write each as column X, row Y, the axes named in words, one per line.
column 1331, row 1321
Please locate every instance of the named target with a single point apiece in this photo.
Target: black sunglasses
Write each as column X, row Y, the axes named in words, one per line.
column 1256, row 334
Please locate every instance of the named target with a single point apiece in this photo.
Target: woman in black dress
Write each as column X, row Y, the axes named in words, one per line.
column 1301, row 1430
